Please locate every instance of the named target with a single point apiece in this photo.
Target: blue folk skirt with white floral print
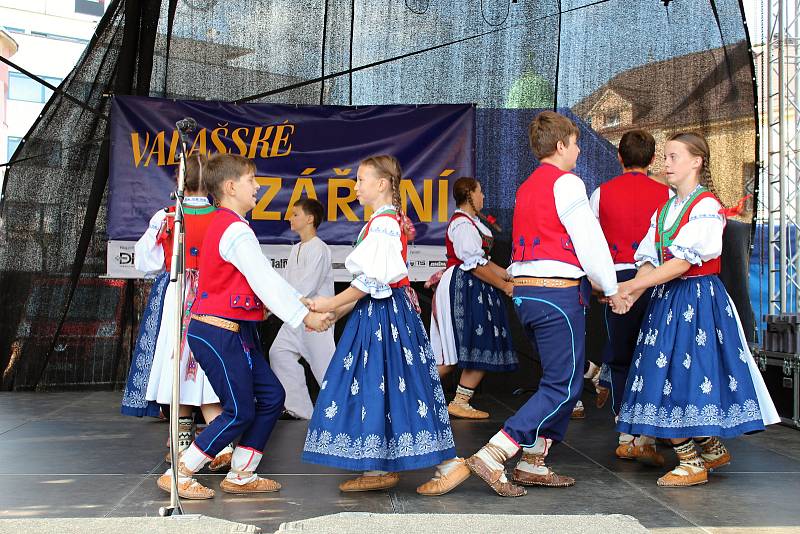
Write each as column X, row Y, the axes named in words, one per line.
column 133, row 400
column 690, row 376
column 381, row 405
column 480, row 325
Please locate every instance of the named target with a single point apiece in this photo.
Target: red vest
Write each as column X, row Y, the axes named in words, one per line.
column 538, row 233
column 662, row 244
column 486, row 241
column 403, row 239
column 222, row 290
column 196, row 221
column 627, row 203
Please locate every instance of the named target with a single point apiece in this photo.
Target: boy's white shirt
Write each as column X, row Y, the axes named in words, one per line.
column 309, row 269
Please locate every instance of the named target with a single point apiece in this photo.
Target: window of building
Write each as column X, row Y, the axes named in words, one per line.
column 21, row 87
column 612, row 119
column 89, row 7
column 13, row 143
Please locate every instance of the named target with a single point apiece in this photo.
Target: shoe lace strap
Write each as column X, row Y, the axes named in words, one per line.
column 536, row 460
column 713, row 447
column 497, row 453
column 184, row 471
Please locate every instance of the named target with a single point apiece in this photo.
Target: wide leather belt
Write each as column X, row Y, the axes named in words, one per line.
column 545, row 282
column 219, row 322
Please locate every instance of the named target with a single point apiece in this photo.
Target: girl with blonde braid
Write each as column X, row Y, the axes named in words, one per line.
column 693, row 379
column 381, row 408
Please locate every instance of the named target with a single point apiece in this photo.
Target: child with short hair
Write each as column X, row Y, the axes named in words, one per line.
column 557, row 244
column 309, row 270
column 624, row 205
column 236, row 286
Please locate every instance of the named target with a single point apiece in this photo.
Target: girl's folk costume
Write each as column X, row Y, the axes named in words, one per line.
column 692, row 374
column 381, row 405
column 469, row 325
column 150, row 378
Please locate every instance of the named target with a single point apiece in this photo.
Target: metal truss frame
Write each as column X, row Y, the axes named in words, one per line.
column 780, row 144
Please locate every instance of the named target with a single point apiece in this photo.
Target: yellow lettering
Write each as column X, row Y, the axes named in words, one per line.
column 158, row 150
column 424, row 205
column 336, row 203
column 262, row 140
column 238, row 141
column 260, row 212
column 173, row 148
column 302, row 184
column 199, row 143
column 215, row 138
column 443, row 201
column 138, row 150
column 282, row 134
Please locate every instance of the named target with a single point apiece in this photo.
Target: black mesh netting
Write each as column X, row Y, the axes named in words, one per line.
column 613, row 65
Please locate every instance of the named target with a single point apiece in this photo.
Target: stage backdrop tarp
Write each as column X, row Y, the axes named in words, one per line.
column 298, row 151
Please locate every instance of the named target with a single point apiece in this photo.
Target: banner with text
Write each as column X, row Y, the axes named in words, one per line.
column 299, row 151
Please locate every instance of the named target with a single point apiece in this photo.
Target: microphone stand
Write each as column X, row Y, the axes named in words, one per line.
column 176, row 277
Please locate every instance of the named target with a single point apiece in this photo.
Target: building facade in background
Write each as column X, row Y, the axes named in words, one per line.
column 50, row 36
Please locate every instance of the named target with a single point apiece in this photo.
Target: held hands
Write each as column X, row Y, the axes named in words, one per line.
column 320, row 304
column 627, row 289
column 620, row 303
column 626, row 293
column 319, row 322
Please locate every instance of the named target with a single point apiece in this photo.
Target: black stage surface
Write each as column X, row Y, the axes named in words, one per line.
column 71, row 454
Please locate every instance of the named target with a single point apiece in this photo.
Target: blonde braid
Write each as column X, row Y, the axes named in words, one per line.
column 705, row 178
column 395, row 181
column 388, row 168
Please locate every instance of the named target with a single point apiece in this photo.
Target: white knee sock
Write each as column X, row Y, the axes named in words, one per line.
column 193, row 458
column 506, row 444
column 243, row 465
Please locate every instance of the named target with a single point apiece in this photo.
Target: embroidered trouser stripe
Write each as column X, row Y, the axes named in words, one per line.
column 250, row 393
column 551, row 317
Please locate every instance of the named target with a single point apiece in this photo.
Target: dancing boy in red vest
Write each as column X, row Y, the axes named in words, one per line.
column 235, row 283
column 624, row 206
column 557, row 243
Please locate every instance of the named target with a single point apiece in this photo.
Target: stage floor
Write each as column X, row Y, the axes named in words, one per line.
column 72, row 455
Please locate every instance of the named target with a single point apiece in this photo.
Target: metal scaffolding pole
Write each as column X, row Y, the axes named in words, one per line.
column 781, row 180
column 782, row 176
